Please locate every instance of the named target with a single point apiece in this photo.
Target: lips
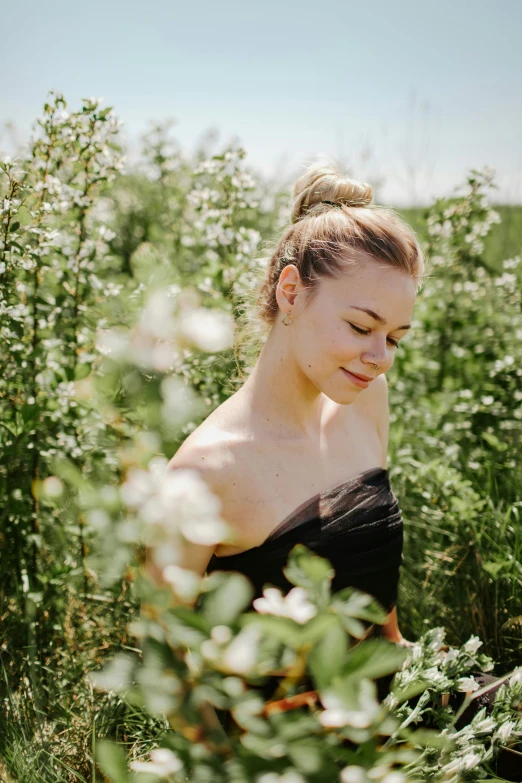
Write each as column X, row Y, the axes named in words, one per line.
column 362, row 377
column 357, row 380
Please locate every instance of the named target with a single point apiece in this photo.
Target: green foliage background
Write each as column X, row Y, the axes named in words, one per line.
column 84, row 243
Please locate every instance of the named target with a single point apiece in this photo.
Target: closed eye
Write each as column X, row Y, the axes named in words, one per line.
column 366, row 332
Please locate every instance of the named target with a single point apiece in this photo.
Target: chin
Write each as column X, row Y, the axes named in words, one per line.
column 343, row 399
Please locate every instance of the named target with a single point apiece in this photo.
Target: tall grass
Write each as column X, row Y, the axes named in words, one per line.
column 85, row 247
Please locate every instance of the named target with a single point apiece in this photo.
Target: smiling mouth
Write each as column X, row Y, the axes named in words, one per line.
column 360, row 377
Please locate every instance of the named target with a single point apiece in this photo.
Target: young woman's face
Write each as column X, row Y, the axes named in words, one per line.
column 333, row 336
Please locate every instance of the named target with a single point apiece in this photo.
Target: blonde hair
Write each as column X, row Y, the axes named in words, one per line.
column 333, row 223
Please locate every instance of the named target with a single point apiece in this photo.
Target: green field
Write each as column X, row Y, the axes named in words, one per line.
column 99, row 377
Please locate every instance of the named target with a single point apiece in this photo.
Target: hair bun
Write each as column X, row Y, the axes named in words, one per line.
column 322, row 182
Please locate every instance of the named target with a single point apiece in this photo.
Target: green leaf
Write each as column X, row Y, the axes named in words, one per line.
column 328, row 656
column 428, row 738
column 112, row 761
column 353, row 627
column 29, row 412
column 493, row 567
column 494, row 442
column 374, row 658
column 307, row 755
column 103, row 114
column 354, row 603
column 306, row 569
column 316, row 628
column 280, row 628
column 82, row 371
column 15, row 226
column 410, row 690
column 223, row 605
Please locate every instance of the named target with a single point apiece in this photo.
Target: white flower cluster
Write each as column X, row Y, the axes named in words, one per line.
column 289, row 776
column 476, row 742
column 173, row 505
column 163, row 762
column 236, row 655
column 361, row 716
column 222, row 187
column 166, row 325
column 464, row 216
column 294, row 605
column 382, row 773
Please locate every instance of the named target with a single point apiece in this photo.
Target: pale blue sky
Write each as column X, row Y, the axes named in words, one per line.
column 389, row 87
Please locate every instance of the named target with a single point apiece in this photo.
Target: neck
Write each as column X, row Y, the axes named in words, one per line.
column 280, row 396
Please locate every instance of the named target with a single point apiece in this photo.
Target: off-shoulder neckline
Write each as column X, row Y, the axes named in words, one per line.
column 304, row 505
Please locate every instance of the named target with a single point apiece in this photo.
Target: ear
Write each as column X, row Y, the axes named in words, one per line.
column 288, row 287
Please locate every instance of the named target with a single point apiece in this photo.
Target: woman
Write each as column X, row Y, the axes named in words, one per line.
column 310, row 425
column 299, row 452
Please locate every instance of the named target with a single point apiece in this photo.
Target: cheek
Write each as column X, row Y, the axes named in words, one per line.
column 341, row 340
column 331, row 342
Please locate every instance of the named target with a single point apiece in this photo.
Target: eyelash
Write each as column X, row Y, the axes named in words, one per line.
column 361, row 331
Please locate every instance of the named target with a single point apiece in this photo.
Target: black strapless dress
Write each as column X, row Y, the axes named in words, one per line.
column 357, row 525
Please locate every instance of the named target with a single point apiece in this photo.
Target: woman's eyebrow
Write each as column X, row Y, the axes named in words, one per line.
column 376, row 317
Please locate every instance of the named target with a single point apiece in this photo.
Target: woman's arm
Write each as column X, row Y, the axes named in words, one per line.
column 390, row 629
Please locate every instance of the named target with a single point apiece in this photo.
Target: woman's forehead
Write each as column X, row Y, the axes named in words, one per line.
column 372, row 285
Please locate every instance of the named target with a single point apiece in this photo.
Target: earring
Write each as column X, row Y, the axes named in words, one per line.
column 286, row 323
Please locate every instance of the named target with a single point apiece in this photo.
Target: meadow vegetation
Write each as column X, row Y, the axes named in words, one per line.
column 120, row 292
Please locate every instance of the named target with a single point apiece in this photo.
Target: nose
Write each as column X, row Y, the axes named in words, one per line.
column 380, row 356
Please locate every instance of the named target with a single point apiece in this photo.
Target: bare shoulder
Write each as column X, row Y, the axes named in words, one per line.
column 208, row 451
column 233, row 463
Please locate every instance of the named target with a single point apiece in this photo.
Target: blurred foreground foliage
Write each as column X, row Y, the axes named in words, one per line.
column 118, row 295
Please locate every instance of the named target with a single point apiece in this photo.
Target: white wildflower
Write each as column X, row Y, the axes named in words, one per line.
column 113, row 343
column 516, row 677
column 472, row 645
column 393, row 777
column 294, row 605
column 241, row 654
column 156, row 319
column 391, row 701
column 336, row 714
column 291, row 776
column 52, row 487
column 467, row 684
column 505, row 731
column 452, row 654
column 163, row 763
column 485, row 726
column 185, row 583
column 179, row 400
column 221, row 634
column 209, row 330
column 433, row 676
column 209, row 649
column 353, row 774
column 436, row 636
column 179, row 501
column 467, row 761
